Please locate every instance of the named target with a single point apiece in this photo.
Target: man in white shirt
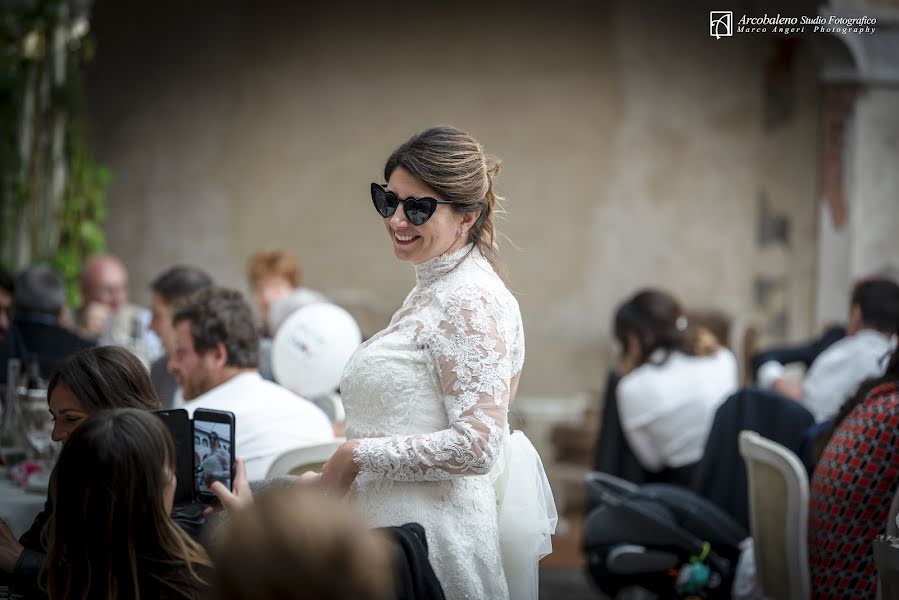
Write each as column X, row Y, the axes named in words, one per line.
column 837, row 372
column 216, row 359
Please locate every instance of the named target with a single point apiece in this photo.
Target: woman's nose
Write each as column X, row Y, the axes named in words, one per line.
column 58, row 434
column 398, row 219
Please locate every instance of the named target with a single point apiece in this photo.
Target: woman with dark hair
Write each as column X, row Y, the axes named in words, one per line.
column 852, row 488
column 111, row 535
column 84, row 383
column 674, row 378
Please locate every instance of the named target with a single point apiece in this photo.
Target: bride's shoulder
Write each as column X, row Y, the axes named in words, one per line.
column 474, row 291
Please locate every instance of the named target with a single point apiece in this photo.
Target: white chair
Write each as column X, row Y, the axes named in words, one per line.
column 778, row 515
column 304, row 458
column 892, row 525
column 886, row 555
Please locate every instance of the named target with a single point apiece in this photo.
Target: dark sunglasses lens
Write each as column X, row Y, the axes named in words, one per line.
column 385, row 202
column 419, row 211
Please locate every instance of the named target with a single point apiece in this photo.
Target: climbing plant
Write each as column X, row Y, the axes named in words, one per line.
column 53, row 190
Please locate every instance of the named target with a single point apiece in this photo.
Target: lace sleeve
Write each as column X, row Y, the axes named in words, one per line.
column 472, row 348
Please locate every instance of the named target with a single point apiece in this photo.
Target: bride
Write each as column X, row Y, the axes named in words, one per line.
column 427, row 398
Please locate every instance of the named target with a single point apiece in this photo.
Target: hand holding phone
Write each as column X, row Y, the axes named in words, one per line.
column 204, row 452
column 241, row 497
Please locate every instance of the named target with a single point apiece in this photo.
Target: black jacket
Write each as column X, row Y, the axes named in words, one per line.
column 39, row 335
column 721, row 474
column 414, row 577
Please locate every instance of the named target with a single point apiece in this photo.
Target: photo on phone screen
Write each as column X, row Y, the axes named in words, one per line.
column 213, row 449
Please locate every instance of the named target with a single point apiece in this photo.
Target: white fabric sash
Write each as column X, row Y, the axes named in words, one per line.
column 527, row 515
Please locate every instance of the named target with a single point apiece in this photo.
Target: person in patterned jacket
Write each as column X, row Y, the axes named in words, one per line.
column 852, row 488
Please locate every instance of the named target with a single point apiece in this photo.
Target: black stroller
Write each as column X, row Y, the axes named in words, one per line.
column 660, row 537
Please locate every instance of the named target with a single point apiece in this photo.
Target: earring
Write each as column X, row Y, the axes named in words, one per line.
column 461, row 232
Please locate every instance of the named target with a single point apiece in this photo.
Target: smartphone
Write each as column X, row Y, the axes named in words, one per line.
column 180, row 427
column 213, row 460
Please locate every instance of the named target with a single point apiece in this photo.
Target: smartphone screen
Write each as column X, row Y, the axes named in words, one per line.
column 179, row 426
column 213, row 450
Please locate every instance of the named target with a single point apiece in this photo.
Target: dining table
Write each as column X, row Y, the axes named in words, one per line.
column 18, row 506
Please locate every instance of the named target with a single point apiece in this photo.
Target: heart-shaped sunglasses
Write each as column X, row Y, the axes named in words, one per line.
column 417, row 210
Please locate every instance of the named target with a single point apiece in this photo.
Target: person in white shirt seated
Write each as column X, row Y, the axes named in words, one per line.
column 674, row 378
column 216, row 361
column 837, row 372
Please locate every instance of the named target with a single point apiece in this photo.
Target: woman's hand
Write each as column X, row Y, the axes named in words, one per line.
column 10, row 548
column 242, row 495
column 340, row 471
column 310, row 478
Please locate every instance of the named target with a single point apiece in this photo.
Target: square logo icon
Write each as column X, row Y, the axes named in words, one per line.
column 721, row 23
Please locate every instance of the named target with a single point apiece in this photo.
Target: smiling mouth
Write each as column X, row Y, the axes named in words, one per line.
column 404, row 240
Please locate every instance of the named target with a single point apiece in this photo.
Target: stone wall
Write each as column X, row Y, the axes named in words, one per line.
column 635, row 146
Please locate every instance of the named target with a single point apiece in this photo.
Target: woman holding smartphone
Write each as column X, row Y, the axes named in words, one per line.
column 111, row 535
column 84, row 383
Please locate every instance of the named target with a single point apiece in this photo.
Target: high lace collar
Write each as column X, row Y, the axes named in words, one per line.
column 431, row 270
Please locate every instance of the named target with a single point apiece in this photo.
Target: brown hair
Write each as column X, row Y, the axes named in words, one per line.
column 221, row 316
column 295, row 543
column 106, row 377
column 277, row 263
column 109, row 535
column 453, row 164
column 658, row 322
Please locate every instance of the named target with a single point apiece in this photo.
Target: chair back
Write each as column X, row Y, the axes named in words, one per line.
column 893, row 527
column 303, row 458
column 778, row 511
column 886, row 559
column 720, row 475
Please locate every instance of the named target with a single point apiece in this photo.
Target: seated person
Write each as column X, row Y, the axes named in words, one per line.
column 274, row 275
column 169, row 289
column 106, row 315
column 110, row 535
column 38, row 327
column 216, row 363
column 85, row 383
column 851, row 491
column 673, row 380
column 837, row 372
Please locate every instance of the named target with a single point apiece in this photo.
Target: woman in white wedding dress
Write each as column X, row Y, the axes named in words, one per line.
column 427, row 398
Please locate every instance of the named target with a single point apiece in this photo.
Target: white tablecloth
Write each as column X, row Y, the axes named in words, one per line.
column 18, row 507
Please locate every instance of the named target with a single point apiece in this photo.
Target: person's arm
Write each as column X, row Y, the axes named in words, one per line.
column 644, row 448
column 10, row 548
column 637, row 407
column 477, row 367
column 25, row 557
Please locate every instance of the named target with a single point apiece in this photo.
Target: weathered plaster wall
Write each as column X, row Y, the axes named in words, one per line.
column 633, row 144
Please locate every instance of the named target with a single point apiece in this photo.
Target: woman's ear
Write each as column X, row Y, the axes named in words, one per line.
column 633, row 346
column 630, row 354
column 469, row 218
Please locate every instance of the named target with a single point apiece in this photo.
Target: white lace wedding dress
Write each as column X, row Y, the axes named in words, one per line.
column 428, row 398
